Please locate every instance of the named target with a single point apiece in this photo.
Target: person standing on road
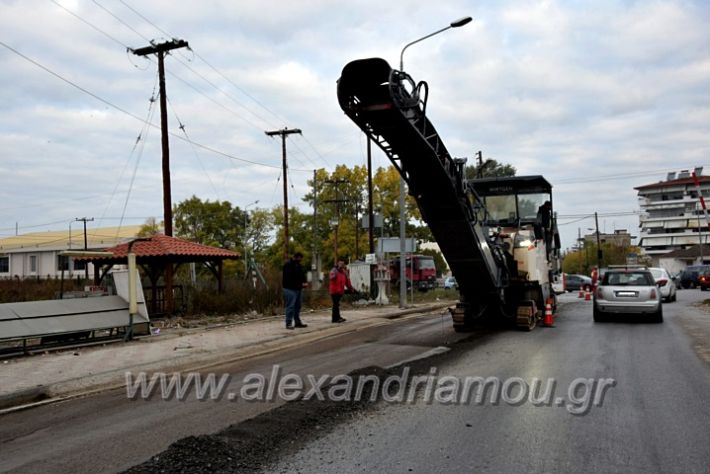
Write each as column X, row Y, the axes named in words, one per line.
column 339, row 280
column 293, row 282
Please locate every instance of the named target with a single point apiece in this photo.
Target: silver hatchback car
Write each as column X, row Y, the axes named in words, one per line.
column 628, row 290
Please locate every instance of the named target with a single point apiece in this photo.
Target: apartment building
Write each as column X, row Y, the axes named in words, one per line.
column 672, row 216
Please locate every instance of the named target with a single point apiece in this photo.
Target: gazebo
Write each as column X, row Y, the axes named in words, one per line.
column 162, row 255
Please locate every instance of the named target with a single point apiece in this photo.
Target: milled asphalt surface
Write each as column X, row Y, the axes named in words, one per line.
column 655, row 419
column 72, row 372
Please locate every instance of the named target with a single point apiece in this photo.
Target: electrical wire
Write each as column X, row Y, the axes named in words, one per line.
column 121, row 21
column 265, row 121
column 88, row 24
column 124, row 111
column 194, row 151
column 141, row 134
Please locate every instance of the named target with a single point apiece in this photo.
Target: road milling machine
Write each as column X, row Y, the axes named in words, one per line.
column 498, row 235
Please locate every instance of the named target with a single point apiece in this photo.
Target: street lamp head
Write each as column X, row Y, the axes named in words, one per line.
column 461, row 21
column 453, row 24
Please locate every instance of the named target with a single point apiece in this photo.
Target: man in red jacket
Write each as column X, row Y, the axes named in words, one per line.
column 339, row 280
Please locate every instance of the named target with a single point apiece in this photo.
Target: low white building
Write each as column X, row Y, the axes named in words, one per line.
column 36, row 255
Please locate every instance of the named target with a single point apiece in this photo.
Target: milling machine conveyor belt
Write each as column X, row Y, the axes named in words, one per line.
column 388, row 107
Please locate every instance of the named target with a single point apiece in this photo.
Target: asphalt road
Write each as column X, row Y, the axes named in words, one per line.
column 110, row 433
column 655, row 418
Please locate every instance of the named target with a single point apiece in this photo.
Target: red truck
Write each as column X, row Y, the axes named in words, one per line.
column 420, row 270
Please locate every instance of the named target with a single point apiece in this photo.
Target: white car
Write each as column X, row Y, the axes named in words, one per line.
column 665, row 283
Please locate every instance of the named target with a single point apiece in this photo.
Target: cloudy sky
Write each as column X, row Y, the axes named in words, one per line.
column 597, row 96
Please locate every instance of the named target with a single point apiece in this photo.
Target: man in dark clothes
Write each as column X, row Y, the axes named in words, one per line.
column 294, row 280
column 544, row 215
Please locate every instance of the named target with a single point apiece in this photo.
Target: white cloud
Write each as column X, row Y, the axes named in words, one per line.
column 567, row 90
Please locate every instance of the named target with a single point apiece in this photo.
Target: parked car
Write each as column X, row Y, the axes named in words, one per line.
column 704, row 281
column 450, row 282
column 689, row 276
column 577, row 282
column 676, row 280
column 628, row 291
column 665, row 283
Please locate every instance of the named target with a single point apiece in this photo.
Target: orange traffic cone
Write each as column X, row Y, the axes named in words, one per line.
column 588, row 296
column 581, row 292
column 548, row 321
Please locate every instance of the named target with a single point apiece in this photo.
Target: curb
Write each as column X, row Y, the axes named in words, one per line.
column 49, row 394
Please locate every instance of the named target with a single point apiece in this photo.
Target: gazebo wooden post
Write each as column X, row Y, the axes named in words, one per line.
column 168, row 294
column 220, row 276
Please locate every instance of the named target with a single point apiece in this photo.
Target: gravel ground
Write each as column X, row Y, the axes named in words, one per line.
column 251, row 446
column 696, row 325
column 255, row 444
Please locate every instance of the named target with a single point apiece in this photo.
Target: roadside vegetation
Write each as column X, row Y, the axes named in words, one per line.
column 258, row 234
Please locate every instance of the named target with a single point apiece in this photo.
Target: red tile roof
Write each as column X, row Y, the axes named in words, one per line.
column 673, row 182
column 161, row 245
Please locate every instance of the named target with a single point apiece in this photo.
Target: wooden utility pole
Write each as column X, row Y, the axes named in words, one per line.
column 283, row 133
column 315, row 266
column 86, row 243
column 160, row 50
column 337, row 201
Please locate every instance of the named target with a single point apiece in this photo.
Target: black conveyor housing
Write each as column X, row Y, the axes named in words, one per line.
column 388, row 107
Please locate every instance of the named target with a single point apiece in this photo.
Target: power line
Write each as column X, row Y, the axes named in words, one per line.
column 639, row 174
column 124, row 111
column 121, row 21
column 140, row 139
column 197, row 156
column 265, row 121
column 88, row 24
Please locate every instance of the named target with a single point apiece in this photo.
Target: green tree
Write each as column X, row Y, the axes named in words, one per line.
column 300, row 237
column 439, row 262
column 490, row 169
column 149, row 228
column 582, row 260
column 210, row 223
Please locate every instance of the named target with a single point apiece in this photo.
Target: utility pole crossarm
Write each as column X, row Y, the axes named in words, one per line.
column 160, row 48
column 285, row 131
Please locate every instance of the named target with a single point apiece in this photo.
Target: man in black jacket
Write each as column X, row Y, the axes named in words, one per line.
column 294, row 280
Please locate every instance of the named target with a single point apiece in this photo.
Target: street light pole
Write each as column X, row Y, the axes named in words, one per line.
column 402, row 227
column 599, row 245
column 246, row 248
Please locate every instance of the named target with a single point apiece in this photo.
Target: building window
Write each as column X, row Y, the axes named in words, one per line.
column 78, row 265
column 62, row 263
column 33, row 263
column 5, row 264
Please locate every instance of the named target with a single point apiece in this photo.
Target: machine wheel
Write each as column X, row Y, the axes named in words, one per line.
column 599, row 317
column 462, row 319
column 657, row 316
